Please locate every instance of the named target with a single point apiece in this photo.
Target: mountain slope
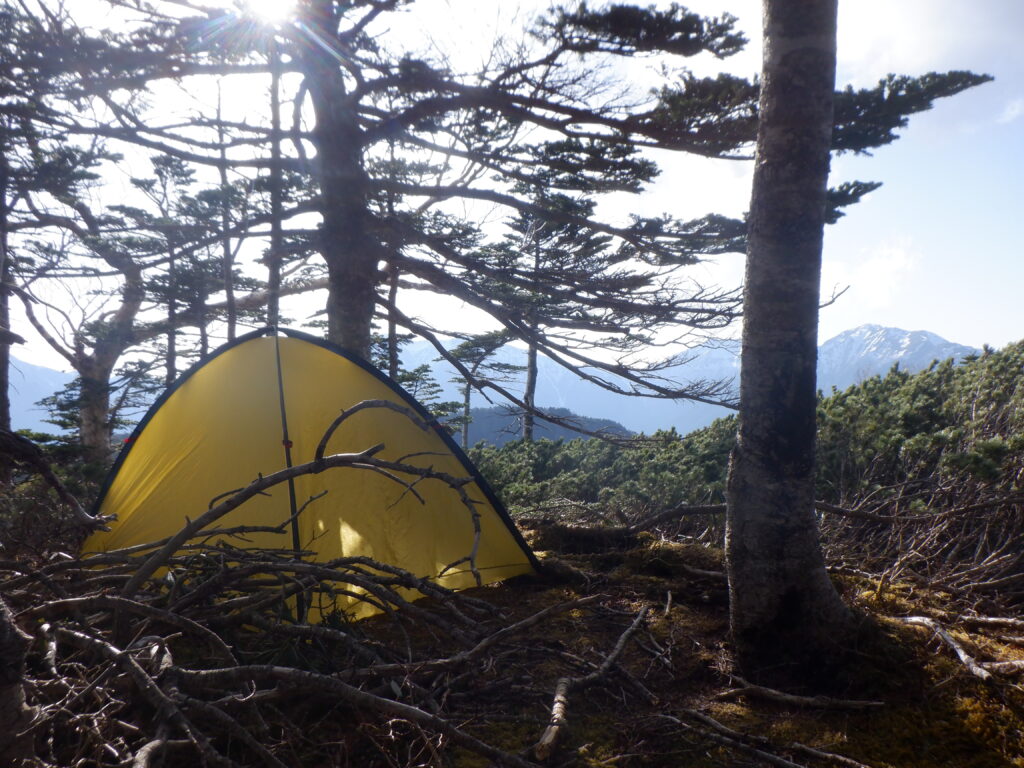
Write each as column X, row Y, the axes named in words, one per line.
column 846, row 359
column 871, row 350
column 499, row 425
column 30, row 384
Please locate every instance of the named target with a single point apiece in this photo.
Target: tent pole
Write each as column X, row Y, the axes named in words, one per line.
column 300, row 604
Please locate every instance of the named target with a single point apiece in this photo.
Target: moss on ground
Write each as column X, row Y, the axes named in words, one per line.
column 935, row 713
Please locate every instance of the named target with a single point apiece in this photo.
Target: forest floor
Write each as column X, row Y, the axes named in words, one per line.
column 672, row 697
column 619, row 656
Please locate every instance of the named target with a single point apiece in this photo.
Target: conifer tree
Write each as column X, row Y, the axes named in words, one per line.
column 37, row 163
column 529, row 123
column 476, row 353
column 785, row 614
column 786, row 617
column 533, row 121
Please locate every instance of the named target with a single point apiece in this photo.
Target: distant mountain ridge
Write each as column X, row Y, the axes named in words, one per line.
column 843, row 360
column 30, row 384
column 498, row 425
column 871, row 350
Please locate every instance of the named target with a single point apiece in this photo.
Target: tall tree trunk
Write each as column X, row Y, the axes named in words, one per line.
column 785, row 614
column 393, row 321
column 6, row 279
column 203, row 321
column 5, row 340
column 94, row 422
column 275, row 255
column 171, row 371
column 347, row 244
column 15, row 714
column 467, row 391
column 5, row 349
column 227, row 256
column 530, row 392
column 95, row 419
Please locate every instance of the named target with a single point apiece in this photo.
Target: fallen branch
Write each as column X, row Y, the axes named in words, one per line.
column 760, row 741
column 734, row 743
column 993, row 621
column 22, row 450
column 15, row 713
column 771, row 694
column 691, row 510
column 149, row 690
column 702, row 573
column 112, row 602
column 968, row 661
column 361, row 460
column 306, row 682
column 545, row 747
column 1014, row 667
column 683, row 510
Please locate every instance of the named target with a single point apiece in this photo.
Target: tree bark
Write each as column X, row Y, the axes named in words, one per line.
column 5, row 342
column 15, row 714
column 276, row 236
column 227, row 256
column 95, row 370
column 393, row 322
column 5, row 304
column 530, row 392
column 171, row 364
column 785, row 614
column 95, row 428
column 467, row 411
column 347, row 244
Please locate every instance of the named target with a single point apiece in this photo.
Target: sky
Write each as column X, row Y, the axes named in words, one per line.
column 936, row 248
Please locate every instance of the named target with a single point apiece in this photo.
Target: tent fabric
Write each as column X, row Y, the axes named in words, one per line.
column 221, row 426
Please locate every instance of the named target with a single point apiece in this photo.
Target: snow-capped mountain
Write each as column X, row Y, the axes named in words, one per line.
column 850, row 357
column 846, row 359
column 871, row 350
column 30, row 384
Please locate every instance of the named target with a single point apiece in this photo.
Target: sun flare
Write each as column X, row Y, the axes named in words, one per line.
column 270, row 11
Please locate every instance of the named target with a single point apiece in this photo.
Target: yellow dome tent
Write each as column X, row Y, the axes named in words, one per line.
column 262, row 403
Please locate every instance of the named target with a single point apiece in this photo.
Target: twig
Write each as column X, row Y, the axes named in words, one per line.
column 1014, row 667
column 818, row 702
column 361, row 406
column 993, row 621
column 233, row 727
column 765, row 743
column 307, row 682
column 149, row 690
column 544, row 748
column 145, row 755
column 92, row 602
column 968, row 661
column 734, row 743
column 702, row 573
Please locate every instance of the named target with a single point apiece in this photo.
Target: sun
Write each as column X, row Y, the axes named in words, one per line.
column 270, row 11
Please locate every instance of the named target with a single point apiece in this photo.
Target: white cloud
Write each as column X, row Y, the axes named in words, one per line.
column 875, row 282
column 1013, row 110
